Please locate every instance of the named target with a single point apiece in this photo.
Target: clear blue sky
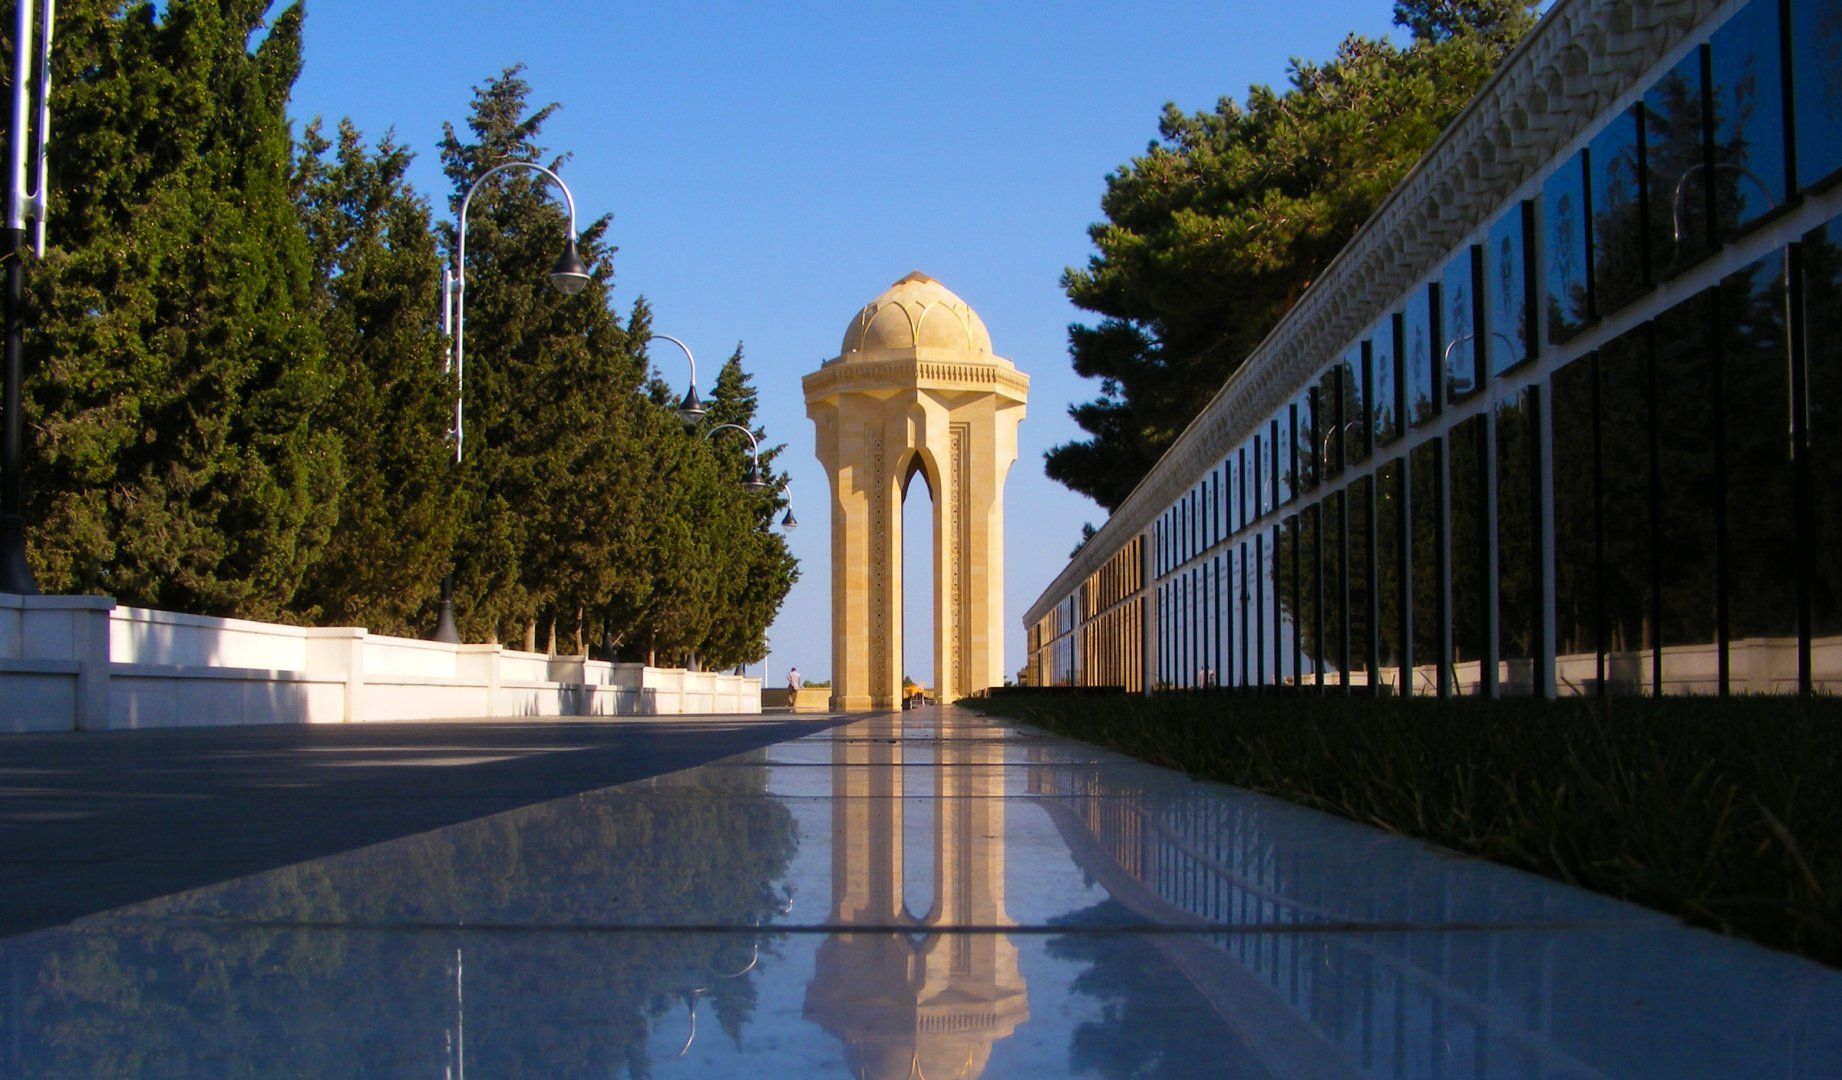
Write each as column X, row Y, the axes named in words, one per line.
column 772, row 167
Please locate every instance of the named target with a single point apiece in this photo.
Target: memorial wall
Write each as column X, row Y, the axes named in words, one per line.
column 1561, row 419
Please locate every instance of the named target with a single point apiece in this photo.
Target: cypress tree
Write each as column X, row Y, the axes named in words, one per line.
column 754, row 570
column 549, row 384
column 376, row 276
column 179, row 364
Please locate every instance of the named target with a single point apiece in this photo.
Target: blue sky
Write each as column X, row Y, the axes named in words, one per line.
column 772, row 167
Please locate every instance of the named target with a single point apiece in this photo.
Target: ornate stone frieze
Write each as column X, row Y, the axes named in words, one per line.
column 908, row 373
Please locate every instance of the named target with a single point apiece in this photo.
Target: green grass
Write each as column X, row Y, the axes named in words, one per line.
column 1727, row 813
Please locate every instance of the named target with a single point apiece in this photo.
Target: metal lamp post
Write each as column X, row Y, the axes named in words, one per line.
column 752, row 478
column 690, row 410
column 31, row 95
column 569, row 276
column 788, row 523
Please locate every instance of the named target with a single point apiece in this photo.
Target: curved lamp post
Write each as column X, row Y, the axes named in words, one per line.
column 692, row 995
column 788, row 523
column 22, row 204
column 569, row 276
column 752, row 478
column 690, row 410
column 1445, row 358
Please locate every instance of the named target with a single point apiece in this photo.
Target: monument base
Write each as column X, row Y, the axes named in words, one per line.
column 864, row 703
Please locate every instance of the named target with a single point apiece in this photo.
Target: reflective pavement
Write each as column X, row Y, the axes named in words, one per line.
column 923, row 895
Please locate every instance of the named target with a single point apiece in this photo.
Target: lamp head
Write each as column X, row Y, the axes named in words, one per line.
column 690, row 410
column 752, row 478
column 570, row 274
column 789, row 523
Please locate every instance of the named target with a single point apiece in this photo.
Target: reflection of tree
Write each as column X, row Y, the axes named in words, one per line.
column 280, row 954
column 1387, row 500
column 1517, row 551
column 1462, row 348
column 1471, row 582
column 1507, row 332
column 1624, row 503
column 1286, row 552
column 1305, row 442
column 1674, row 155
column 1747, row 172
column 1384, row 399
column 1568, row 302
column 1822, row 267
column 1686, row 555
column 1816, row 65
column 1139, row 1032
column 1357, row 501
column 1576, row 602
column 1425, row 562
column 1618, row 221
column 1762, row 590
column 1422, row 400
column 1353, row 434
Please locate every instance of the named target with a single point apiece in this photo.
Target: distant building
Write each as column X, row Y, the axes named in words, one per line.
column 1564, row 417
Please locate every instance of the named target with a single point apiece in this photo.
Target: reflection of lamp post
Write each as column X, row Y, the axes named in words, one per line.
column 1445, row 360
column 1675, row 199
column 690, row 410
column 692, row 995
column 1332, row 432
column 21, row 204
column 752, row 478
column 568, row 276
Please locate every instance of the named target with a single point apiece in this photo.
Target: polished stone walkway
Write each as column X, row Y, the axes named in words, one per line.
column 921, row 895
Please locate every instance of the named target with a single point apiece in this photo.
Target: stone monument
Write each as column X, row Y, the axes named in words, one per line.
column 916, row 390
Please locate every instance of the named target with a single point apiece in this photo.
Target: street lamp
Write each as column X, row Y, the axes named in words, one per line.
column 569, row 276
column 21, row 204
column 751, row 479
column 788, row 523
column 690, row 410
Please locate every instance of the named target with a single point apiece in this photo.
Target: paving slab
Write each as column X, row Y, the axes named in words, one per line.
column 93, row 820
column 925, row 894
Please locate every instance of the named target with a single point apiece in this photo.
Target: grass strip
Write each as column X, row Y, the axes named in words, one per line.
column 1725, row 812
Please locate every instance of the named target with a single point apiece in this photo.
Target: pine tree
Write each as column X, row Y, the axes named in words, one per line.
column 179, row 364
column 1212, row 235
column 376, row 278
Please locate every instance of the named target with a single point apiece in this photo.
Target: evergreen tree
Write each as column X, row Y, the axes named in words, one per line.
column 179, row 362
column 757, row 570
column 709, row 575
column 549, row 383
column 1212, row 235
column 732, row 401
column 376, row 276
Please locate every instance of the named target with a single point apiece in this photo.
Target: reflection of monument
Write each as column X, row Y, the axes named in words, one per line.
column 917, row 1002
column 916, row 390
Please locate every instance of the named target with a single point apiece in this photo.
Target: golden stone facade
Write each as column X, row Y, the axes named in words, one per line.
column 916, row 391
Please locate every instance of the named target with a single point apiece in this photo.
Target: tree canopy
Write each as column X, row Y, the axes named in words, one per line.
column 240, row 399
column 1216, row 230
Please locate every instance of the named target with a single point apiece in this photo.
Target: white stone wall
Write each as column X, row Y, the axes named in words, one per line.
column 83, row 663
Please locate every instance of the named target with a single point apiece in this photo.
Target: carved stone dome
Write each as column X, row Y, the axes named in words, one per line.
column 916, row 313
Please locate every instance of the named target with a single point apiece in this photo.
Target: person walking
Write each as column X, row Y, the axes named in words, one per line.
column 793, row 685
